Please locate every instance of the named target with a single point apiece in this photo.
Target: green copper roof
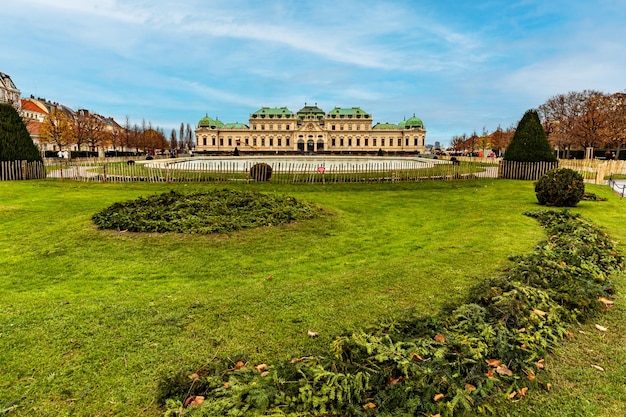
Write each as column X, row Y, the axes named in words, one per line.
column 235, row 125
column 274, row 111
column 414, row 122
column 307, row 110
column 401, row 124
column 206, row 122
column 385, row 126
column 353, row 111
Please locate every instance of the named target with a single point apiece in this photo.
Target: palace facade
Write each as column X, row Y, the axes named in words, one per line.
column 277, row 129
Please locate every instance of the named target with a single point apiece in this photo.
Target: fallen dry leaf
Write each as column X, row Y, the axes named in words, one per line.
column 601, row 328
column 470, row 387
column 540, row 364
column 394, row 381
column 440, row 338
column 261, row 367
column 493, row 362
column 512, row 395
column 194, row 376
column 438, row 397
column 226, row 384
column 312, row 334
column 504, row 370
column 240, row 365
column 599, row 368
column 530, row 374
column 549, row 386
column 194, row 401
column 369, row 406
column 197, row 401
column 489, row 373
column 264, row 373
column 606, row 302
column 417, row 357
column 539, row 312
column 522, row 392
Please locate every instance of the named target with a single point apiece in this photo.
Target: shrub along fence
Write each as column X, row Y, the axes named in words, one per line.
column 22, row 170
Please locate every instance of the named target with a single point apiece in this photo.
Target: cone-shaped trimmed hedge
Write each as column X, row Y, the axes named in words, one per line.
column 19, row 156
column 529, row 155
column 15, row 142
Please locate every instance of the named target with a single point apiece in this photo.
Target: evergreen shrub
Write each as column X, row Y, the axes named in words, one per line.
column 560, row 187
column 459, row 360
column 261, row 172
column 15, row 141
column 530, row 142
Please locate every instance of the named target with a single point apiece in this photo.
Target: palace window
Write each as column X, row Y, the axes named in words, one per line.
column 253, row 141
column 262, row 141
column 349, row 141
column 341, row 142
column 366, row 144
column 341, row 127
column 334, row 142
column 399, row 142
column 287, row 142
column 414, row 141
column 280, row 142
column 247, row 141
column 271, row 141
column 406, row 142
column 382, row 142
column 286, row 127
column 221, row 141
column 212, row 141
column 230, row 141
column 332, row 127
column 373, row 141
column 262, row 127
column 203, row 141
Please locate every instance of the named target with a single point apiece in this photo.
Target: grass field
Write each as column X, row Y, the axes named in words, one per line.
column 91, row 320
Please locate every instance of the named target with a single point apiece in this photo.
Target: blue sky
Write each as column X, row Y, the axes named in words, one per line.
column 460, row 66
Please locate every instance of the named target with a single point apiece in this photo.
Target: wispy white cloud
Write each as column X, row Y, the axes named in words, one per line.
column 459, row 65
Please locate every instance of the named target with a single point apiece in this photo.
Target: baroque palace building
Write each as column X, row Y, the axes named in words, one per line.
column 279, row 130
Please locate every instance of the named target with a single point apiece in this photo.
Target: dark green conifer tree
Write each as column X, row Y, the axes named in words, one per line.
column 15, row 141
column 530, row 143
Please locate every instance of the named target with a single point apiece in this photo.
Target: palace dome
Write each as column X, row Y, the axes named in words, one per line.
column 413, row 122
column 206, row 122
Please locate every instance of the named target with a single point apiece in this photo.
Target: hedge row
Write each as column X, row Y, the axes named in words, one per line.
column 492, row 345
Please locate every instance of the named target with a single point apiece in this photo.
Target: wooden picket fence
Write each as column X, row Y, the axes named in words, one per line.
column 22, row 170
column 125, row 170
column 283, row 172
column 595, row 171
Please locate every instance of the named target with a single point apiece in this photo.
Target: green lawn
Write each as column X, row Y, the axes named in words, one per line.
column 91, row 320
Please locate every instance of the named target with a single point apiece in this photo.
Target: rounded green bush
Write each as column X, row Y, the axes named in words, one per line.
column 560, row 187
column 261, row 171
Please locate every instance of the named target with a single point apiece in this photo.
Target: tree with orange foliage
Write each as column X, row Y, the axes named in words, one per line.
column 615, row 128
column 57, row 129
column 90, row 130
